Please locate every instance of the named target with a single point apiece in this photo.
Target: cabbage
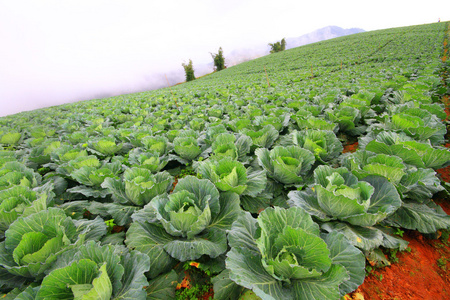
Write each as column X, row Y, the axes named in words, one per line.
column 138, row 186
column 340, row 196
column 32, row 244
column 282, row 255
column 97, row 272
column 286, row 165
column 189, row 223
column 233, row 176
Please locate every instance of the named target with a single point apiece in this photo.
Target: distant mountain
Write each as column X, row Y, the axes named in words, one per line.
column 322, row 34
column 238, row 56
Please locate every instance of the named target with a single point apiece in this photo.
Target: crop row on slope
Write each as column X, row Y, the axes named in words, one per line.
column 69, row 175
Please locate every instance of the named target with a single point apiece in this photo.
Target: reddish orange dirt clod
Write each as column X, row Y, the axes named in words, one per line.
column 350, row 147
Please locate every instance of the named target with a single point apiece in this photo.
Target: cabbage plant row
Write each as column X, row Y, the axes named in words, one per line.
column 104, row 199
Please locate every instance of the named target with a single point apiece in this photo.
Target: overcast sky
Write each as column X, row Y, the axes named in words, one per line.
column 59, row 51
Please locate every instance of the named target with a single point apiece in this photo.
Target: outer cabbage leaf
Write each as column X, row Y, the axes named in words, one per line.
column 273, row 195
column 162, row 287
column 420, row 184
column 425, row 218
column 225, row 288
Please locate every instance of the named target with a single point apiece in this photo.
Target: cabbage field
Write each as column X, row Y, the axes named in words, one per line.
column 235, row 184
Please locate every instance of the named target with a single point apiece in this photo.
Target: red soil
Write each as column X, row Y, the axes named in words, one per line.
column 421, row 274
column 350, row 147
column 446, row 101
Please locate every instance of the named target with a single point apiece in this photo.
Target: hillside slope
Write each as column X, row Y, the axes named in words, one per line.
column 292, row 174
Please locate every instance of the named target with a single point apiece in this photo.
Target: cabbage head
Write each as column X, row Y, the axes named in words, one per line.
column 97, row 272
column 286, row 165
column 186, row 145
column 184, row 225
column 106, row 146
column 226, row 145
column 15, row 173
column 229, row 175
column 282, row 255
column 159, row 144
column 18, row 201
column 322, row 143
column 33, row 243
column 338, row 195
column 138, row 186
column 415, row 183
column 150, row 160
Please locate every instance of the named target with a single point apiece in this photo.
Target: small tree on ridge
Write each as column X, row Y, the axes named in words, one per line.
column 219, row 60
column 278, row 46
column 189, row 70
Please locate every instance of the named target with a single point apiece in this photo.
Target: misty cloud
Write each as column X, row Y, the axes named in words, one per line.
column 56, row 52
